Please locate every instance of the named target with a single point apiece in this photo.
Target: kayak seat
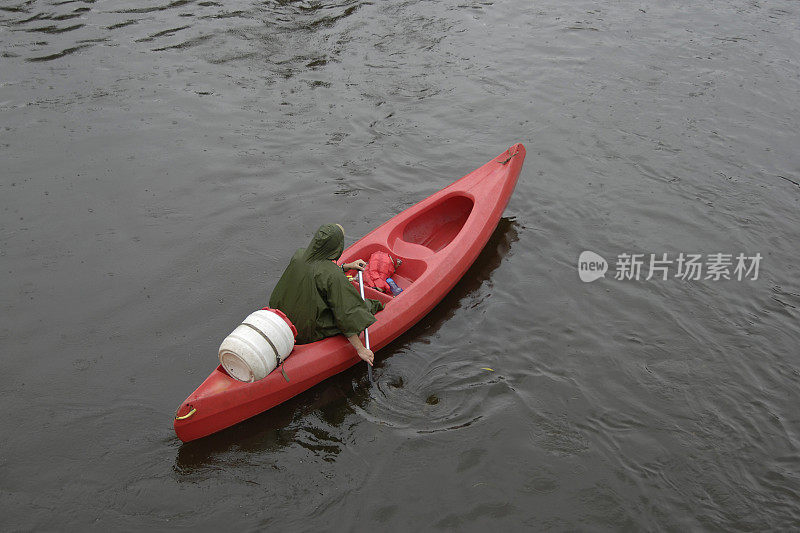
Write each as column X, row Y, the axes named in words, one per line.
column 410, row 250
column 408, row 272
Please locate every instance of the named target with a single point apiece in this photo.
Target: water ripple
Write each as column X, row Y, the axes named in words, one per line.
column 163, row 7
column 60, row 54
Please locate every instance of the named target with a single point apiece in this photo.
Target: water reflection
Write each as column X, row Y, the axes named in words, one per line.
column 307, row 420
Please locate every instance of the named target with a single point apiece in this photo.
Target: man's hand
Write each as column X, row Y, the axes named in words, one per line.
column 358, row 264
column 367, row 355
column 362, row 351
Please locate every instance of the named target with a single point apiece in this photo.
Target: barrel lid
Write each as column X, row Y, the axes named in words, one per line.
column 284, row 317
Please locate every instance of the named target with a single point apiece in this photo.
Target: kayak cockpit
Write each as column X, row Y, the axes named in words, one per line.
column 435, row 227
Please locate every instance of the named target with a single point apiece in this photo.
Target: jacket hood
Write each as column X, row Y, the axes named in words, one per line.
column 327, row 243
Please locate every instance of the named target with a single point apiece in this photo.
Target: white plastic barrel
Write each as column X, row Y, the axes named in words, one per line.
column 253, row 350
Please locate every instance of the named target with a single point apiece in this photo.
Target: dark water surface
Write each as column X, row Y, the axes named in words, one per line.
column 161, row 161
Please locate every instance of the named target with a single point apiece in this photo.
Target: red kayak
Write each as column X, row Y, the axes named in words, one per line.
column 437, row 239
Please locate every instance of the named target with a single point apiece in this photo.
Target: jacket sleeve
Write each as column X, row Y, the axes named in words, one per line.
column 351, row 314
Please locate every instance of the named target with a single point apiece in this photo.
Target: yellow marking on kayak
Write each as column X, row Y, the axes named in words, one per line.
column 487, row 368
column 187, row 415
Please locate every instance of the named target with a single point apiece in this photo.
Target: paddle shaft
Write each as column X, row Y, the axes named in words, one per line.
column 366, row 331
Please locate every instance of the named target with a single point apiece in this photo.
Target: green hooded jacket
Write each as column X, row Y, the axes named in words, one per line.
column 316, row 295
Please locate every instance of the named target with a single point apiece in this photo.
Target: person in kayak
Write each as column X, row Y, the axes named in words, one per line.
column 316, row 295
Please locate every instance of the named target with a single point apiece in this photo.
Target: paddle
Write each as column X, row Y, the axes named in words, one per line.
column 366, row 331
